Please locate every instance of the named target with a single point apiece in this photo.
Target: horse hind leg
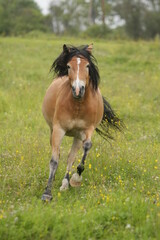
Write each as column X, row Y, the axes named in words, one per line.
column 71, row 158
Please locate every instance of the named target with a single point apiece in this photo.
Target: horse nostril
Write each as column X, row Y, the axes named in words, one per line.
column 73, row 89
column 82, row 89
column 78, row 92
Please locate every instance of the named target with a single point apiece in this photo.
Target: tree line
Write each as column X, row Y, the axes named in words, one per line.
column 95, row 18
column 22, row 16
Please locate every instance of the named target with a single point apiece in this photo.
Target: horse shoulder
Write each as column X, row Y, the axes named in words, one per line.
column 94, row 108
column 50, row 98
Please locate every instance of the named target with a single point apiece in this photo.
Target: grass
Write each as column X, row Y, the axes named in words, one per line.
column 119, row 197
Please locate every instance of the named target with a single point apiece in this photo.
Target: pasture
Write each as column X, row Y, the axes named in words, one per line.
column 120, row 194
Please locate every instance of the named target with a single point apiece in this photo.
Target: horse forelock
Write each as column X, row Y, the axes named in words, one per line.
column 59, row 66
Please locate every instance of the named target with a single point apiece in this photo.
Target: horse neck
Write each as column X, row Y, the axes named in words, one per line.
column 89, row 91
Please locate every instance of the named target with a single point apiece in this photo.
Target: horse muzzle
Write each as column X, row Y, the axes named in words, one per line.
column 78, row 92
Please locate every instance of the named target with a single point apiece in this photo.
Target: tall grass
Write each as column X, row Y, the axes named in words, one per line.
column 119, row 196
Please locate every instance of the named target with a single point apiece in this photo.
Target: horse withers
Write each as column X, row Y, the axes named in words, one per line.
column 73, row 106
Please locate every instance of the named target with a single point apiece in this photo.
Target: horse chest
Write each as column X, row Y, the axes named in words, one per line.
column 76, row 118
column 77, row 110
column 81, row 111
column 73, row 116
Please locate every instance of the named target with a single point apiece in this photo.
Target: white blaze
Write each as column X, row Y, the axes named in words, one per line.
column 78, row 62
column 77, row 83
column 77, row 80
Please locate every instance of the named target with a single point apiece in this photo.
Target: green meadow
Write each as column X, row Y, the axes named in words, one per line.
column 120, row 194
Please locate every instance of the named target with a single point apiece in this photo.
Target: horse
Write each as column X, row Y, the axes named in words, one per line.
column 73, row 106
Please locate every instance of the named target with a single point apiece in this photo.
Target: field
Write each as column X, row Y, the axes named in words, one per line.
column 120, row 194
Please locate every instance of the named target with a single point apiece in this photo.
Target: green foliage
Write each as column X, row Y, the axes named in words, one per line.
column 120, row 194
column 92, row 18
column 142, row 19
column 99, row 31
column 152, row 24
column 103, row 32
column 20, row 16
column 69, row 17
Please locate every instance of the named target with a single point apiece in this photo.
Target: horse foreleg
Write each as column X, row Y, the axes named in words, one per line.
column 77, row 178
column 51, row 131
column 71, row 158
column 57, row 135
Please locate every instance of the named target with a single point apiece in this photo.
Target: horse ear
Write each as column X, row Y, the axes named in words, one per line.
column 65, row 48
column 90, row 48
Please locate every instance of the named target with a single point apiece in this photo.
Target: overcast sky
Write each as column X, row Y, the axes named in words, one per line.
column 44, row 4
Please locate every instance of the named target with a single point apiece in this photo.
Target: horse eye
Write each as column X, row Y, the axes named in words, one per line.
column 87, row 66
column 68, row 67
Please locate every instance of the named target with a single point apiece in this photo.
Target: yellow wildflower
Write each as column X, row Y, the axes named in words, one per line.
column 59, row 194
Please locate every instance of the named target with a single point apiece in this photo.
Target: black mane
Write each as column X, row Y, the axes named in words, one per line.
column 59, row 66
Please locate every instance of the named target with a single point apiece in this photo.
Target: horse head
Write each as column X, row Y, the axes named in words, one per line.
column 79, row 64
column 78, row 73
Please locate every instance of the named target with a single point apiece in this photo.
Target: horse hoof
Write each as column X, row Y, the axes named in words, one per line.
column 76, row 180
column 65, row 185
column 46, row 197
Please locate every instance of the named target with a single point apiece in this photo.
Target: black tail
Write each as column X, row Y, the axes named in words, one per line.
column 109, row 121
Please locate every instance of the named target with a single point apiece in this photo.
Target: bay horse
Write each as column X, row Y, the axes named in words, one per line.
column 73, row 106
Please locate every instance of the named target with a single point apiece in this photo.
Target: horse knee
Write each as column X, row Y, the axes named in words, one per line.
column 53, row 164
column 87, row 145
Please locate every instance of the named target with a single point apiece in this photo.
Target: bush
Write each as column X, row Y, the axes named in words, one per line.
column 99, row 31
